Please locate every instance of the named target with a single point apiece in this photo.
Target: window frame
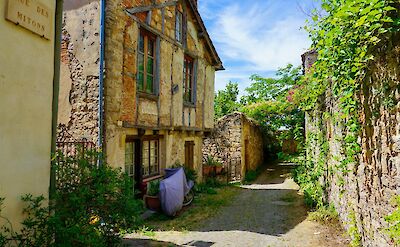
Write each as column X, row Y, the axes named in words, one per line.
column 188, row 80
column 179, row 28
column 157, row 154
column 130, row 168
column 142, row 83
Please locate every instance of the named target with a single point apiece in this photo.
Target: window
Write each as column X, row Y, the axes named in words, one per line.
column 188, row 79
column 150, row 158
column 130, row 160
column 178, row 26
column 146, row 62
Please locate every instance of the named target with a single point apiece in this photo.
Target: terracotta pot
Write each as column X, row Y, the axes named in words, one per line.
column 152, row 203
column 218, row 169
column 207, row 170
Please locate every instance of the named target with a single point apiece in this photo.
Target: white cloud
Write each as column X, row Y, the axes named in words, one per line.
column 259, row 37
column 244, row 35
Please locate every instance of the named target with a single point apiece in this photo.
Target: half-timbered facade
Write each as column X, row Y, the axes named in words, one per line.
column 158, row 86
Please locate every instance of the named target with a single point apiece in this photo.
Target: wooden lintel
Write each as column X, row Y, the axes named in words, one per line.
column 140, row 9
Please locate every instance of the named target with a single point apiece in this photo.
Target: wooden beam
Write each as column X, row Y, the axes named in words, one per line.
column 153, row 30
column 140, row 9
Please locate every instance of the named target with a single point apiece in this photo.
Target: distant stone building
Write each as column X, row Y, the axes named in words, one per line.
column 158, row 84
column 237, row 143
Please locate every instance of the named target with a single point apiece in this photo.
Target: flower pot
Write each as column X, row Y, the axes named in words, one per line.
column 218, row 169
column 152, row 202
column 207, row 170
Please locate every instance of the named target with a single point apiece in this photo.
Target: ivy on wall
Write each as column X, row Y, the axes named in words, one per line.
column 347, row 35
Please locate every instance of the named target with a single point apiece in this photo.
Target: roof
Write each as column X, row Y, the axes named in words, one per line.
column 217, row 63
column 209, row 43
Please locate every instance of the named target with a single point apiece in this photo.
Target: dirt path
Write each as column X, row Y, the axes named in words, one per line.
column 269, row 212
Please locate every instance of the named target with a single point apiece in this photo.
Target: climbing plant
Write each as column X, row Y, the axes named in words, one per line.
column 346, row 35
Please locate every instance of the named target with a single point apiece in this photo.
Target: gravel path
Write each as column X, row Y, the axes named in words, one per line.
column 269, row 212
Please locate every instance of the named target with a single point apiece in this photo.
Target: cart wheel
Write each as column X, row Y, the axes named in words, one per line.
column 188, row 198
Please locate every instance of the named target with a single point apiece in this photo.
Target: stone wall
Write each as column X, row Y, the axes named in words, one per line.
column 252, row 141
column 163, row 113
column 362, row 196
column 235, row 137
column 79, row 75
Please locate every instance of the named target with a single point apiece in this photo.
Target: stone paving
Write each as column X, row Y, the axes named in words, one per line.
column 269, row 212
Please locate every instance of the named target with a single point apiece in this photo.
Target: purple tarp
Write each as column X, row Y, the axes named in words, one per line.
column 173, row 190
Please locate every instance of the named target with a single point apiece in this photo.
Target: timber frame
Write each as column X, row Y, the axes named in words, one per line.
column 217, row 63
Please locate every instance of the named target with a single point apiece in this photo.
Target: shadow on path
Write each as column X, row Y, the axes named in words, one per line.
column 271, row 205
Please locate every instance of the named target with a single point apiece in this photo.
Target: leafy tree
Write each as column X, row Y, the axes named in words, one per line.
column 265, row 89
column 268, row 101
column 226, row 101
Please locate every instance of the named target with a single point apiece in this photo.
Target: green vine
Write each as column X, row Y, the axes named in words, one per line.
column 394, row 222
column 346, row 35
column 345, row 38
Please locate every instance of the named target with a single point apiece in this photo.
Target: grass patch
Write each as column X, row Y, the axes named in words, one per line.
column 291, row 158
column 326, row 215
column 205, row 205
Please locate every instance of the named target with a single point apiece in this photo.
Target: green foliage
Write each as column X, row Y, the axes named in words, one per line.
column 226, row 101
column 269, row 102
column 154, row 188
column 308, row 173
column 326, row 215
column 346, row 39
column 272, row 89
column 394, row 222
column 353, row 231
column 208, row 186
column 291, row 158
column 210, row 161
column 92, row 206
column 86, row 191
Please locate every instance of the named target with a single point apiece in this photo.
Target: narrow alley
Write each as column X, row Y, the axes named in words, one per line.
column 269, row 212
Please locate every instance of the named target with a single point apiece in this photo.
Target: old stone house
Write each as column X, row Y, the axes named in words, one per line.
column 154, row 103
column 237, row 143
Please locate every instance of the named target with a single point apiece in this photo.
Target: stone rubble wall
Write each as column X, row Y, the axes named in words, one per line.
column 80, row 56
column 362, row 196
column 228, row 140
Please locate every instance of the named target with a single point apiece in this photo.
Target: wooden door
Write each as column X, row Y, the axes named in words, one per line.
column 189, row 154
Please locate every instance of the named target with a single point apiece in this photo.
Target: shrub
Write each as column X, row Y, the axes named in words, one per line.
column 154, row 188
column 91, row 206
column 325, row 214
column 95, row 200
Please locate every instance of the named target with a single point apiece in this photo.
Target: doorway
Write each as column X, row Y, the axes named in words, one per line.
column 189, row 154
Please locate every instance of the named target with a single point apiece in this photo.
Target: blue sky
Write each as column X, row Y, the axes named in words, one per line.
column 256, row 36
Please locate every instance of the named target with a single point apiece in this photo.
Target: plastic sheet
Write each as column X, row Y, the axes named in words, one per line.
column 173, row 190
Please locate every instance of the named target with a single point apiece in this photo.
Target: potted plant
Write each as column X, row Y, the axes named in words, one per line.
column 208, row 165
column 218, row 167
column 151, row 198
